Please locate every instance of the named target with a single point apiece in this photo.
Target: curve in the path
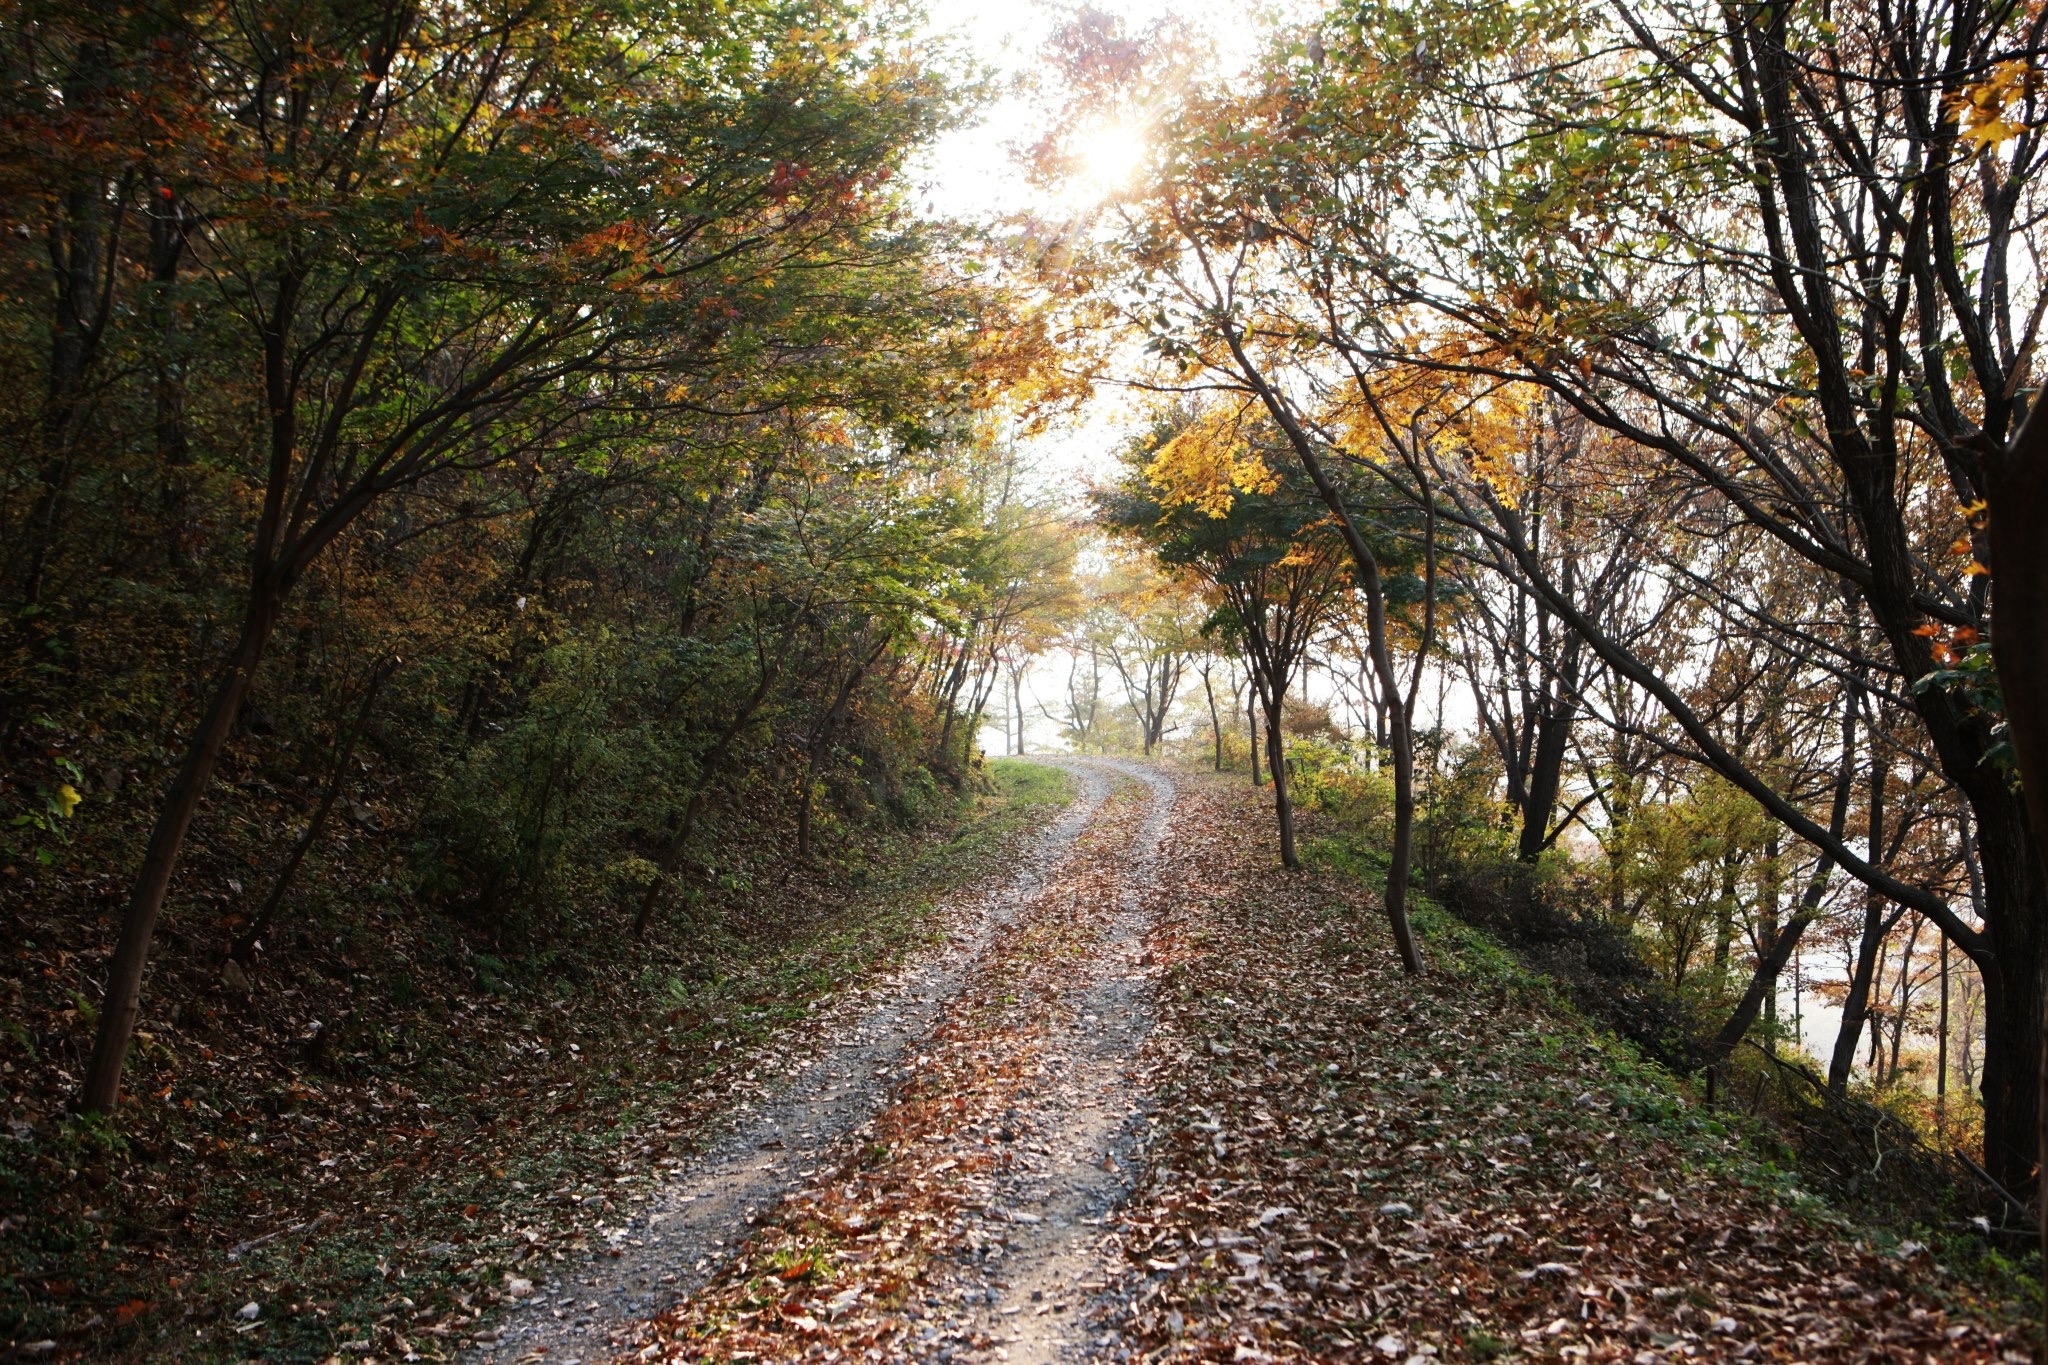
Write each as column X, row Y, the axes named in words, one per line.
column 694, row 1220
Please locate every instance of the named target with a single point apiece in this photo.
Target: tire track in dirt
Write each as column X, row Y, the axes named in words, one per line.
column 967, row 1220
column 696, row 1220
column 1085, row 1115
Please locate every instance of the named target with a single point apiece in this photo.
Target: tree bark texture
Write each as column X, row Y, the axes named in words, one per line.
column 120, row 1002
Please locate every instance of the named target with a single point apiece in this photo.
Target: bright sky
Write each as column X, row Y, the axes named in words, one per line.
column 976, row 174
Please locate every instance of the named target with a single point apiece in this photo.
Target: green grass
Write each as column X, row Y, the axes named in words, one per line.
column 1026, row 782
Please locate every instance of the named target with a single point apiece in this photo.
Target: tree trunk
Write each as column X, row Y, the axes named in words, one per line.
column 120, row 1004
column 2016, row 483
column 821, row 741
column 1546, row 775
column 1251, row 715
column 1276, row 761
column 1941, row 1049
column 79, row 253
column 1780, row 946
column 680, row 830
column 1215, row 724
column 1856, row 1005
column 1798, row 1005
column 804, row 803
column 679, row 833
column 949, row 697
column 1724, row 917
column 2010, row 1078
column 1905, row 985
column 1399, row 723
column 167, row 228
column 1767, row 933
column 1403, row 747
column 1778, row 950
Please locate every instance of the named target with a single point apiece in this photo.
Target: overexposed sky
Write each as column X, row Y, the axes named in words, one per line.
column 975, row 174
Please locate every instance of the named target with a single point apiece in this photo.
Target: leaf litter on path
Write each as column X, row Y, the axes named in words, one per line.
column 1314, row 1158
column 941, row 1218
column 778, row 1131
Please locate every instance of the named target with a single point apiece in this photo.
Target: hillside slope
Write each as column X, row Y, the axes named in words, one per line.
column 1346, row 1164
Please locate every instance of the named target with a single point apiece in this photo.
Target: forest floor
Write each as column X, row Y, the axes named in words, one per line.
column 1100, row 1082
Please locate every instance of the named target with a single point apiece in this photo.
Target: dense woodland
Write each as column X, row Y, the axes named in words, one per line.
column 505, row 473
column 546, row 443
column 522, row 482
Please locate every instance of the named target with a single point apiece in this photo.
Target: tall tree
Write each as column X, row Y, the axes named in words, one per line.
column 416, row 232
column 1157, row 636
column 1771, row 300
column 1201, row 495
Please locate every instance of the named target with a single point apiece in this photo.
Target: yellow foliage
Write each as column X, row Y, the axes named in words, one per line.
column 1207, row 465
column 1494, row 431
column 1476, row 419
column 1980, row 109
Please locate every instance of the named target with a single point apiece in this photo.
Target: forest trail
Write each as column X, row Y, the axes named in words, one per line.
column 1152, row 1100
column 1081, row 1109
column 697, row 1221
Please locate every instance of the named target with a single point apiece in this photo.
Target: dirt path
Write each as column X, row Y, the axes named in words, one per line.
column 1153, row 1101
column 1083, row 1109
column 693, row 1222
column 867, row 1057
column 970, row 1217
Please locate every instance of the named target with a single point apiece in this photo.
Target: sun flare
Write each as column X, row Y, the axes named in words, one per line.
column 1106, row 158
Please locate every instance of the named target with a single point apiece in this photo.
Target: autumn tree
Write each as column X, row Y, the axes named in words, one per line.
column 1156, row 635
column 398, row 249
column 1204, row 499
column 1732, row 242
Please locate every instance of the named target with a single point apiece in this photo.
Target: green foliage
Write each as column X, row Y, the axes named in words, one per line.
column 1972, row 675
column 1331, row 778
column 1463, row 821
